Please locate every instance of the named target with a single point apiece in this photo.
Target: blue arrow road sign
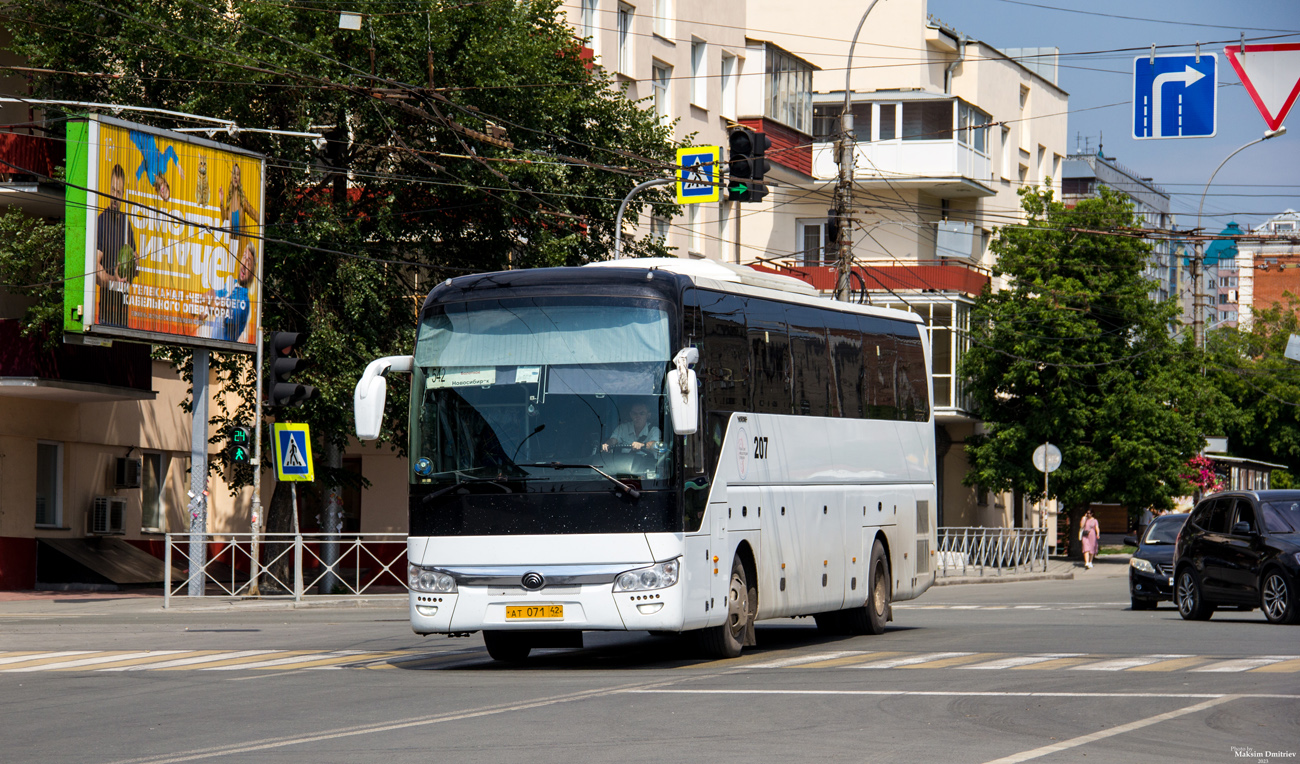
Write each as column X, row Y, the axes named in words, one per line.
column 1175, row 96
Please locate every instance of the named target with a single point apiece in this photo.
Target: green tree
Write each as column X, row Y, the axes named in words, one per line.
column 1073, row 351
column 1249, row 365
column 461, row 137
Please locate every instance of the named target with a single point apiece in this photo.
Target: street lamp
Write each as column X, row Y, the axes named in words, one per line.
column 1198, row 327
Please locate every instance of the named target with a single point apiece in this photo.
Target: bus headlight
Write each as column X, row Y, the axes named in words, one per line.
column 423, row 579
column 1142, row 565
column 658, row 576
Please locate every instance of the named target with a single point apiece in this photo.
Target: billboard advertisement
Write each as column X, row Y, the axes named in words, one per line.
column 164, row 237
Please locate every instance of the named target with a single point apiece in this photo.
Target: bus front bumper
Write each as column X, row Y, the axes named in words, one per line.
column 593, row 607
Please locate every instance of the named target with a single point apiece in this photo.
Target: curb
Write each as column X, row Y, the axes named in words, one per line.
column 219, row 605
column 1004, row 579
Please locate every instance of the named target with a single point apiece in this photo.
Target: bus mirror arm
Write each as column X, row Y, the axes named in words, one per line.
column 683, row 392
column 368, row 400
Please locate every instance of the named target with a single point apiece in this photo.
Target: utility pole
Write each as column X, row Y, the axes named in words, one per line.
column 844, row 185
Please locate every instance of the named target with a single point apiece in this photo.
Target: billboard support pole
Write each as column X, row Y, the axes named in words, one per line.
column 199, row 475
column 255, row 571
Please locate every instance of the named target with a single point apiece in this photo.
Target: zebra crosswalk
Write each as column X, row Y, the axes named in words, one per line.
column 118, row 661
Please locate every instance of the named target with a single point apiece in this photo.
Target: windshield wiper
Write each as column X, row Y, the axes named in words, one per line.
column 627, row 489
column 495, row 482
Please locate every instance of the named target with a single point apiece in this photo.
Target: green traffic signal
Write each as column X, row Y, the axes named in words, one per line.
column 240, row 438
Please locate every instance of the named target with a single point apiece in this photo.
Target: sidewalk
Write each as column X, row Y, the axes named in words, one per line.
column 1058, row 569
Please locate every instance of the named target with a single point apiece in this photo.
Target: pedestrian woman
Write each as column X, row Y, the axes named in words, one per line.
column 1090, row 536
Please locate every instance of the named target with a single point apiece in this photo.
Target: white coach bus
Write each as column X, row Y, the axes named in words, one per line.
column 662, row 445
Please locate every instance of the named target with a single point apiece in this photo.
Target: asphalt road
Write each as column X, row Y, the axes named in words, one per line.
column 1051, row 671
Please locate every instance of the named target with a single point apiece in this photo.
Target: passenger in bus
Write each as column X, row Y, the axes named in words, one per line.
column 637, row 434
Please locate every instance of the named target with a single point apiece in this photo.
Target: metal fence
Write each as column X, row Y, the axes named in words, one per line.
column 286, row 565
column 991, row 551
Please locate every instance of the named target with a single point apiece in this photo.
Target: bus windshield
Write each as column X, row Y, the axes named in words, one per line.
column 531, row 392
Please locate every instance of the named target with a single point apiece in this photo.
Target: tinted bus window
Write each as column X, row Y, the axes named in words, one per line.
column 880, row 367
column 724, row 352
column 844, row 340
column 812, row 377
column 912, row 385
column 769, row 350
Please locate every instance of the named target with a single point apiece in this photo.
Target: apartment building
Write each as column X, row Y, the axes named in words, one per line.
column 1267, row 267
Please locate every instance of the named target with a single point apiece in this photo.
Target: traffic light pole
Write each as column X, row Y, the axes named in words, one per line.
column 255, row 524
column 199, row 475
column 618, row 221
column 844, row 186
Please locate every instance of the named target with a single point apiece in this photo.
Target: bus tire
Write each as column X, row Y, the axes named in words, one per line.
column 872, row 617
column 727, row 640
column 507, row 646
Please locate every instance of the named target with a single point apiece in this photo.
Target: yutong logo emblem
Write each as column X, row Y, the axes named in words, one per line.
column 533, row 580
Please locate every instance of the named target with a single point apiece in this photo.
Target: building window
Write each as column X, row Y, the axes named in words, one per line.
column 152, row 482
column 659, row 229
column 972, row 126
column 789, row 90
column 1024, row 122
column 699, row 73
column 625, row 15
column 663, row 10
column 587, row 22
column 693, row 224
column 1006, row 153
column 888, row 121
column 662, row 75
column 812, row 246
column 49, row 483
column 927, row 121
column 728, row 85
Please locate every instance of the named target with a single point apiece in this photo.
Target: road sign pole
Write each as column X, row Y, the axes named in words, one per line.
column 255, row 519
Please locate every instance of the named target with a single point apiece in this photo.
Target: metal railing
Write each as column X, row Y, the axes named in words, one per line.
column 286, row 565
column 976, row 551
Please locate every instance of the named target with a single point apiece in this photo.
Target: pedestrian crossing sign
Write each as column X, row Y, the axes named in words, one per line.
column 293, row 452
column 699, row 170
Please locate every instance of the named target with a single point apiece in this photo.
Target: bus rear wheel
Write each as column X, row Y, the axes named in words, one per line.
column 507, row 646
column 727, row 640
column 872, row 617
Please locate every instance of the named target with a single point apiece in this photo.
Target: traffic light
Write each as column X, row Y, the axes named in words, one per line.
column 241, row 444
column 284, row 362
column 748, row 164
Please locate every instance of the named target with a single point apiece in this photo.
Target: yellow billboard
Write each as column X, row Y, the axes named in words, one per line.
column 166, row 244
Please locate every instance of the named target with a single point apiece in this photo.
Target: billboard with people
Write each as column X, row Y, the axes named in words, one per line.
column 164, row 237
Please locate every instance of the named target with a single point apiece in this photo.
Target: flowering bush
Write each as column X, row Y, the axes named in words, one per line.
column 1202, row 475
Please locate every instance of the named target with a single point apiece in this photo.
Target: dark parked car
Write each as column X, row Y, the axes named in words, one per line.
column 1151, row 569
column 1240, row 548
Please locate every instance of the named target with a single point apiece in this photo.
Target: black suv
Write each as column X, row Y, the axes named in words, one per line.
column 1240, row 548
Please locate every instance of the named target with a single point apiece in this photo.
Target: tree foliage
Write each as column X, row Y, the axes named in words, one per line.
column 406, row 192
column 1074, row 352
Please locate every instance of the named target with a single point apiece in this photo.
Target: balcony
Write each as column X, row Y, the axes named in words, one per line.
column 916, row 141
column 27, row 163
column 950, row 276
column 72, row 373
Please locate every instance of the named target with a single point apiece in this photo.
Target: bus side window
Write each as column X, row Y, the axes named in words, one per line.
column 913, row 391
column 844, row 339
column 769, row 350
column 879, row 361
column 724, row 352
column 813, row 395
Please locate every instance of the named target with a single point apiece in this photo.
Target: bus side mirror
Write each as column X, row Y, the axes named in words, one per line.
column 372, row 390
column 683, row 393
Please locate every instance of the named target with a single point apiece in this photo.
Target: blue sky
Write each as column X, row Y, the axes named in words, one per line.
column 1096, row 68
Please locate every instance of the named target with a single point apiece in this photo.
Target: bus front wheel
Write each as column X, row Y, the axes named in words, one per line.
column 727, row 640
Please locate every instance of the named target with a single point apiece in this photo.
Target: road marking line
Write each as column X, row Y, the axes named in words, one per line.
column 1021, row 660
column 19, row 655
column 962, row 694
column 440, row 660
column 1174, row 665
column 198, row 657
column 814, row 658
column 954, row 662
column 911, row 661
column 80, row 664
column 41, row 659
column 297, row 657
column 357, row 660
column 1052, row 665
column 850, row 660
column 1123, row 664
column 367, row 729
column 1285, row 667
column 726, row 663
column 1241, row 664
column 1120, row 730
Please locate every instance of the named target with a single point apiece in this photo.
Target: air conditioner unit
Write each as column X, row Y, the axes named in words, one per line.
column 106, row 515
column 127, row 474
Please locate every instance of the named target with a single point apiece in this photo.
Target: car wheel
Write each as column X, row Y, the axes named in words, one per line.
column 1278, row 598
column 507, row 646
column 1187, row 593
column 1139, row 603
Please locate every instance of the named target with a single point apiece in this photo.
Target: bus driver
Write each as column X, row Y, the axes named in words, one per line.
column 637, row 434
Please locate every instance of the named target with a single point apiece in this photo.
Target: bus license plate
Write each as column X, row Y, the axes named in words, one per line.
column 533, row 612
